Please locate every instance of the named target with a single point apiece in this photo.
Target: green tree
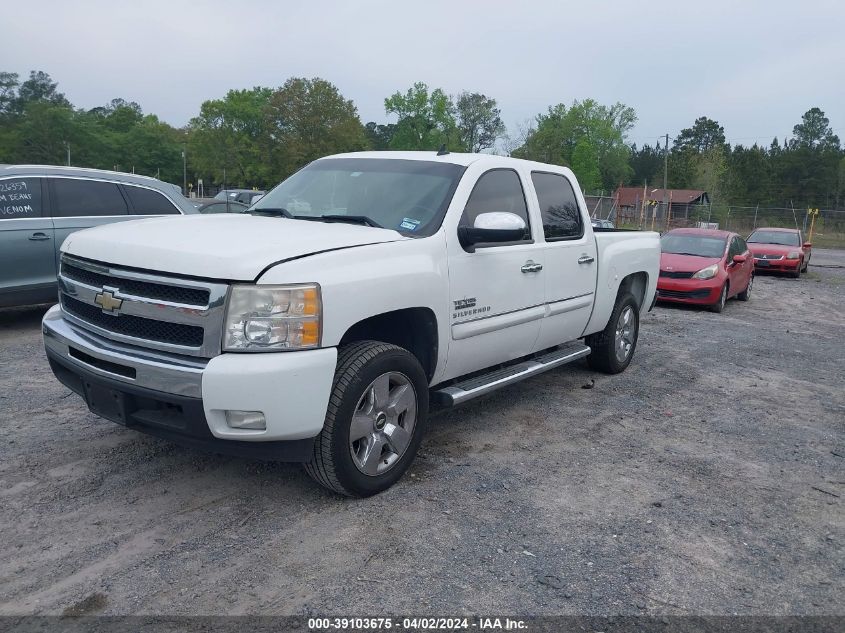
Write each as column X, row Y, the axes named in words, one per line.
column 704, row 135
column 379, row 134
column 478, row 120
column 815, row 132
column 307, row 119
column 605, row 127
column 646, row 165
column 426, row 120
column 230, row 139
column 585, row 164
column 40, row 87
column 9, row 83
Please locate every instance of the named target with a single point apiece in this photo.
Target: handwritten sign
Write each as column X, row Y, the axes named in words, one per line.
column 20, row 198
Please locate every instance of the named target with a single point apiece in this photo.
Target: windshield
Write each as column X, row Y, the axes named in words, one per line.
column 783, row 238
column 699, row 245
column 409, row 196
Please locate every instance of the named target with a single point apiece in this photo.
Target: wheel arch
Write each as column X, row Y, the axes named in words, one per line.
column 414, row 329
column 637, row 284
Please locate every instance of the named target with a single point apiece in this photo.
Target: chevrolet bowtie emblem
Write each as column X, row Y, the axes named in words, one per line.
column 107, row 301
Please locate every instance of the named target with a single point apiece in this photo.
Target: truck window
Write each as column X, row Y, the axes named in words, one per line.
column 20, row 198
column 497, row 190
column 148, row 202
column 79, row 198
column 558, row 206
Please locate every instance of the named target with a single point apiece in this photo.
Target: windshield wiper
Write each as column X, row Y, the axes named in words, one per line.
column 274, row 211
column 351, row 219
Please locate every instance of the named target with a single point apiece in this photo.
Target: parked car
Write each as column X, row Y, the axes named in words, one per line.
column 704, row 267
column 319, row 326
column 41, row 205
column 244, row 196
column 218, row 206
column 782, row 250
column 598, row 223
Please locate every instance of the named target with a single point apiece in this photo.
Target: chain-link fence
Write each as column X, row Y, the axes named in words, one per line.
column 828, row 225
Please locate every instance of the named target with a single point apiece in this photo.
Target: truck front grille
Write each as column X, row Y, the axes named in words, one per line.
column 157, row 311
column 136, row 327
column 174, row 294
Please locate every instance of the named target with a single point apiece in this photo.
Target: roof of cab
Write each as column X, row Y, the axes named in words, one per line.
column 456, row 158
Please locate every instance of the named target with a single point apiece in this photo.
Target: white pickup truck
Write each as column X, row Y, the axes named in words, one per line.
column 320, row 326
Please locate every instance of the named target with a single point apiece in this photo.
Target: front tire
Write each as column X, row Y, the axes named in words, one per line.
column 374, row 422
column 743, row 296
column 613, row 348
column 723, row 298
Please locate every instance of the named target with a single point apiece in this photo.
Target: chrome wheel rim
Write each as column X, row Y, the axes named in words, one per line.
column 750, row 283
column 723, row 296
column 626, row 328
column 383, row 423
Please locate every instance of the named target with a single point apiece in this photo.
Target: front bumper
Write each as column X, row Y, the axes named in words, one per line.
column 691, row 291
column 186, row 398
column 777, row 265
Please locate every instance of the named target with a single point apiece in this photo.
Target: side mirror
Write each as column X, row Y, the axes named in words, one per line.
column 739, row 259
column 491, row 227
column 808, row 245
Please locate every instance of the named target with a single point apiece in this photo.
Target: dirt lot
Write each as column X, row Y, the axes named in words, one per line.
column 707, row 479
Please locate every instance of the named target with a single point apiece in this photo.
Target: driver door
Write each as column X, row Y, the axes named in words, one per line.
column 497, row 291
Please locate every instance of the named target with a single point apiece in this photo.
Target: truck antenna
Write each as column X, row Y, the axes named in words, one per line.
column 442, row 151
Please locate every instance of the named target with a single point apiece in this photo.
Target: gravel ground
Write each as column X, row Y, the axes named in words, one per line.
column 707, row 479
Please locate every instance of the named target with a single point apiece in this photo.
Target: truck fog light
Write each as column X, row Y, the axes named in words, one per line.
column 246, row 420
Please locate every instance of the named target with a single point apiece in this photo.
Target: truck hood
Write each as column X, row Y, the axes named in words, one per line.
column 233, row 247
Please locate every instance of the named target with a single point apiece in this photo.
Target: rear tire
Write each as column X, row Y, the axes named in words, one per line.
column 380, row 392
column 743, row 296
column 723, row 299
column 613, row 348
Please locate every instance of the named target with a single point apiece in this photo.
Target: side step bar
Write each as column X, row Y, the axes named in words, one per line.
column 480, row 385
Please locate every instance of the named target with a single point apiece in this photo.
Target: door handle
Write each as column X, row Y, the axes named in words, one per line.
column 531, row 267
column 586, row 259
column 38, row 237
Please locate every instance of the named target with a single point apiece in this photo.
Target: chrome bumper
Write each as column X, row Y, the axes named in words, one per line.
column 152, row 370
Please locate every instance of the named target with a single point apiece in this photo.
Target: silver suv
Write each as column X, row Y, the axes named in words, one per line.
column 41, row 205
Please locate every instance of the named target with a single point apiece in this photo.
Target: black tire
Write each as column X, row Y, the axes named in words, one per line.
column 723, row 299
column 807, row 265
column 743, row 296
column 603, row 356
column 358, row 365
column 797, row 273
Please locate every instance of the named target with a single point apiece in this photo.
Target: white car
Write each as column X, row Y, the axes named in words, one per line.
column 320, row 326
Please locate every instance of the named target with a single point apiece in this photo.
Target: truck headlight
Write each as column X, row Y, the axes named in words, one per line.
column 271, row 318
column 707, row 273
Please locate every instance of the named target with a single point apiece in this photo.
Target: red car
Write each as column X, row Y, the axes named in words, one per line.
column 704, row 267
column 782, row 250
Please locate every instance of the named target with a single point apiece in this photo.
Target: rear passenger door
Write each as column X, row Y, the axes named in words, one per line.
column 79, row 203
column 570, row 260
column 27, row 263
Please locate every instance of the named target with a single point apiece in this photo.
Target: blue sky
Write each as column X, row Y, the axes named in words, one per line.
column 756, row 67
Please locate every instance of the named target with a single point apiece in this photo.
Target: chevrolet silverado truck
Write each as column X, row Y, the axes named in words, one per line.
column 322, row 325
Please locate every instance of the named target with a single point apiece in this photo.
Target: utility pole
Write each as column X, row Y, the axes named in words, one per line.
column 665, row 172
column 185, row 170
column 67, row 145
